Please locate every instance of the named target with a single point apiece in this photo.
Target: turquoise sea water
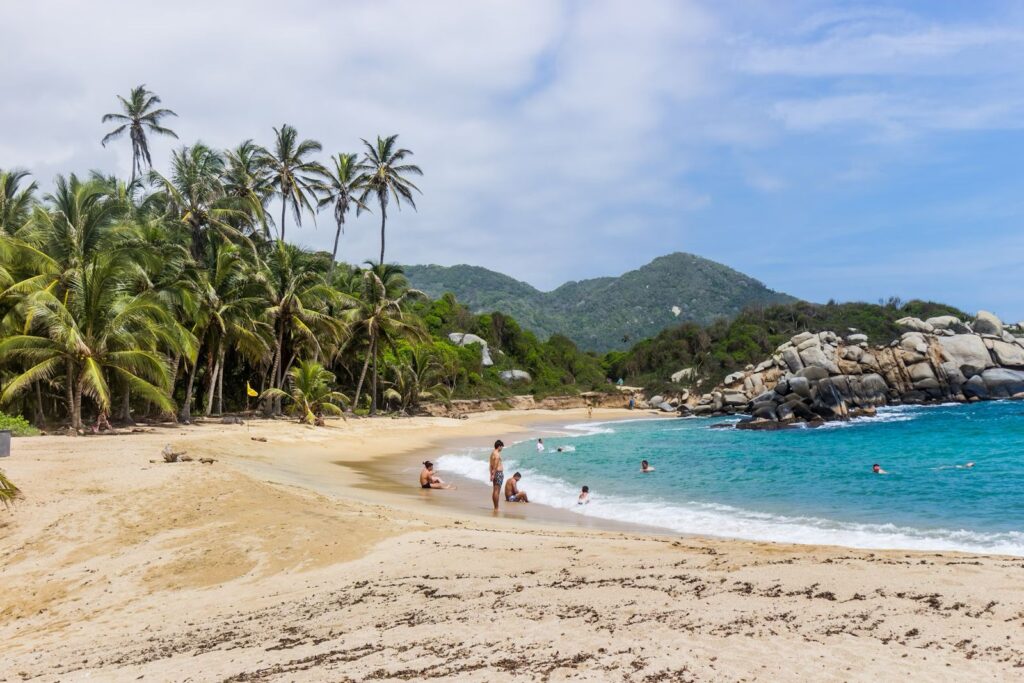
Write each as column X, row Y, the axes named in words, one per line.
column 804, row 485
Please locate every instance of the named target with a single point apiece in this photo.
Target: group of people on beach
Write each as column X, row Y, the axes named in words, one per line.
column 500, row 488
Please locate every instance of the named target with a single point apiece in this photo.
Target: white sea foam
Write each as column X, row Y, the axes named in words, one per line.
column 724, row 520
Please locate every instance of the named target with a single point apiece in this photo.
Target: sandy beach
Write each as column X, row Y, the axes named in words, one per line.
column 296, row 556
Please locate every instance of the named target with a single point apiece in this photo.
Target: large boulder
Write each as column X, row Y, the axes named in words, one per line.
column 792, row 359
column 968, row 351
column 814, row 357
column 733, row 378
column 857, row 338
column 1003, row 383
column 915, row 342
column 915, row 325
column 988, row 323
column 1010, row 355
column 514, row 376
column 812, row 374
column 798, row 339
column 684, row 375
column 948, row 322
column 975, row 388
column 800, row 386
column 920, row 372
column 466, row 339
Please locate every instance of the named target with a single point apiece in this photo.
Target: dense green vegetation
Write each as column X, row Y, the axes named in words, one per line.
column 752, row 336
column 609, row 312
column 167, row 295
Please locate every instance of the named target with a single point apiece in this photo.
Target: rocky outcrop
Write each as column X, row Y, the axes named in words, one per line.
column 815, row 377
column 466, row 339
column 510, row 376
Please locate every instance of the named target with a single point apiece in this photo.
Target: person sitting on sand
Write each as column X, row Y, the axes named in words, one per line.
column 877, row 469
column 429, row 480
column 645, row 467
column 497, row 472
column 540, row 445
column 512, row 492
column 584, row 496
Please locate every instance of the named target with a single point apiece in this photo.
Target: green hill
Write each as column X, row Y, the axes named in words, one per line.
column 608, row 312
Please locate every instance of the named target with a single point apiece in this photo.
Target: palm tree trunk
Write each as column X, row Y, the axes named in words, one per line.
column 212, row 388
column 220, row 384
column 126, row 405
column 76, row 417
column 362, row 376
column 334, row 253
column 383, row 221
column 70, row 388
column 373, row 386
column 186, row 405
column 40, row 413
column 284, row 205
column 275, row 373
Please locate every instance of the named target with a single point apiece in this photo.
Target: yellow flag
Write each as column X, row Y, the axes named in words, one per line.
column 249, row 390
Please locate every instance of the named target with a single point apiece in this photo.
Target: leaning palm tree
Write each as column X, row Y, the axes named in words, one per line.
column 384, row 176
column 293, row 173
column 139, row 115
column 339, row 189
column 379, row 319
column 310, row 392
column 15, row 200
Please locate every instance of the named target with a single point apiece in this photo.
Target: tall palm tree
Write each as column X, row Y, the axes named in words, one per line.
column 339, row 188
column 301, row 306
column 293, row 174
column 384, row 175
column 195, row 195
column 247, row 179
column 15, row 200
column 139, row 115
column 380, row 319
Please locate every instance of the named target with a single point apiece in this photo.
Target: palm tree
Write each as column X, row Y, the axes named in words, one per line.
column 339, row 188
column 310, row 392
column 15, row 201
column 293, row 174
column 415, row 375
column 383, row 175
column 139, row 116
column 300, row 306
column 379, row 317
column 247, row 179
column 195, row 195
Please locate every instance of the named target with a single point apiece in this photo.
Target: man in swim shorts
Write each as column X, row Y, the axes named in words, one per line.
column 512, row 492
column 429, row 480
column 497, row 470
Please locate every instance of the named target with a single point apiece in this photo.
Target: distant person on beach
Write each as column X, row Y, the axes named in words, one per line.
column 429, row 480
column 497, row 470
column 590, row 412
column 631, row 403
column 877, row 469
column 540, row 445
column 645, row 466
column 584, row 496
column 512, row 492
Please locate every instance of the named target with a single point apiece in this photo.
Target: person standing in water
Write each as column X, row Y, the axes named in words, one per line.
column 497, row 472
column 540, row 445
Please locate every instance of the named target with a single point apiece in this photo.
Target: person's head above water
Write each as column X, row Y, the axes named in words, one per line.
column 876, row 467
column 644, row 464
column 499, row 444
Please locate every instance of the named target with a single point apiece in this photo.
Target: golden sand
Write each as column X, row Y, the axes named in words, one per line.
column 277, row 563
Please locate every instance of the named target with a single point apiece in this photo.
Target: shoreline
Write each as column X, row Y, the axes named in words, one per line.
column 295, row 568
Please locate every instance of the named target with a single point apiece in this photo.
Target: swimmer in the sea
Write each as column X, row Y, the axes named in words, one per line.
column 584, row 496
column 645, row 466
column 877, row 469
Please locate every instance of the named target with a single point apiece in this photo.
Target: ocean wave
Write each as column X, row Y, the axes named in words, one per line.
column 710, row 519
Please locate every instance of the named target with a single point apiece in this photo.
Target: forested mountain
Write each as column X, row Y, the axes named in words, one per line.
column 607, row 313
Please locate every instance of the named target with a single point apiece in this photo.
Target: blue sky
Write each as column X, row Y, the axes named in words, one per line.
column 833, row 150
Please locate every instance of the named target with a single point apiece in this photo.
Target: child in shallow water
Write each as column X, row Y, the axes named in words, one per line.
column 584, row 496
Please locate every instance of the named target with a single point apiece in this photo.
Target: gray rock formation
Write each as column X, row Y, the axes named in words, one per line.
column 465, row 339
column 514, row 376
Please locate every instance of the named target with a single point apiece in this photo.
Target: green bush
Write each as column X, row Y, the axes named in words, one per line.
column 18, row 425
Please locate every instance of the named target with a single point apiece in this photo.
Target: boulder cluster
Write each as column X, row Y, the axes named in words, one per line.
column 822, row 376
